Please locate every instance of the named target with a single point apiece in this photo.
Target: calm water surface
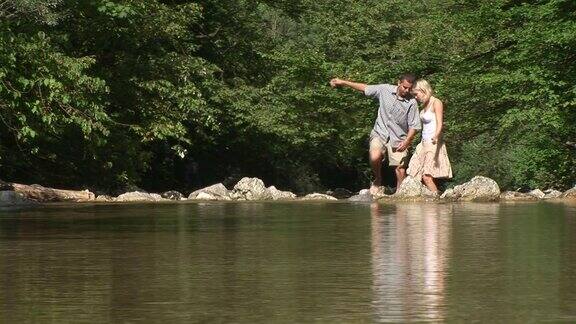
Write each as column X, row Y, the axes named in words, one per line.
column 288, row 262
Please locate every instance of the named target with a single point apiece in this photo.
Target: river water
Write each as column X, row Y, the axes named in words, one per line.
column 294, row 262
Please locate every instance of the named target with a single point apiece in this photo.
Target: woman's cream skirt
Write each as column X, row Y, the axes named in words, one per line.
column 431, row 159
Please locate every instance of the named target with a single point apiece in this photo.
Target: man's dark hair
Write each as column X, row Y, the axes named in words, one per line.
column 408, row 77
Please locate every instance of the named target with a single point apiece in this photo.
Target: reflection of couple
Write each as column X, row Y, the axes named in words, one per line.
column 395, row 128
column 410, row 253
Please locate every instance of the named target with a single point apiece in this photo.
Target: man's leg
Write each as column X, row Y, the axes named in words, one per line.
column 376, row 164
column 376, row 155
column 398, row 160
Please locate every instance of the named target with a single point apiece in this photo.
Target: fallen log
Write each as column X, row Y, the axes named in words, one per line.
column 42, row 194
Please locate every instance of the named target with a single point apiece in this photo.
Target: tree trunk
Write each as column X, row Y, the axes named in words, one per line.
column 43, row 194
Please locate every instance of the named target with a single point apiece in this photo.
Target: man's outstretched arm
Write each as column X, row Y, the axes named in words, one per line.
column 345, row 83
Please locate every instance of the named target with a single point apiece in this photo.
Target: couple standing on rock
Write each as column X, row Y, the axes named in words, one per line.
column 396, row 125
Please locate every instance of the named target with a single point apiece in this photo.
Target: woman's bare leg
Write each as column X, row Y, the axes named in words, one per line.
column 429, row 182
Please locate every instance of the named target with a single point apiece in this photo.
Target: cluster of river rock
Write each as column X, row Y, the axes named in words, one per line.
column 477, row 189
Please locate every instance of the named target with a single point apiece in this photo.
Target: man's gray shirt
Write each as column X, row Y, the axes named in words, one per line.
column 396, row 115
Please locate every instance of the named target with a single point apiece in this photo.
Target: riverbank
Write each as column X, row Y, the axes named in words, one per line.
column 477, row 189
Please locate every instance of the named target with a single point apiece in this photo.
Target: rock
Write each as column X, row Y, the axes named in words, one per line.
column 413, row 188
column 362, row 196
column 104, row 198
column 340, row 193
column 235, row 195
column 281, row 195
column 127, row 188
column 552, row 194
column 208, row 196
column 537, row 193
column 214, row 192
column 570, row 193
column 43, row 194
column 318, row 196
column 138, row 196
column 251, row 189
column 515, row 195
column 13, row 198
column 385, row 192
column 447, row 194
column 5, row 186
column 172, row 195
column 478, row 189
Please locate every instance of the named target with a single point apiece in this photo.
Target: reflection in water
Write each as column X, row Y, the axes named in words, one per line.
column 410, row 249
column 289, row 262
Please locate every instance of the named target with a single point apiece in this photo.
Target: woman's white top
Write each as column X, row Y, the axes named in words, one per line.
column 428, row 118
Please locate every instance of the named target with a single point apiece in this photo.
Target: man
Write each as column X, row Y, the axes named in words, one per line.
column 395, row 126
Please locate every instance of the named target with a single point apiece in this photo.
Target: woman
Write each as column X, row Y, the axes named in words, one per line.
column 430, row 160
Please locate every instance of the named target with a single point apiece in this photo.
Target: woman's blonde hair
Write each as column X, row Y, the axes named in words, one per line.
column 425, row 87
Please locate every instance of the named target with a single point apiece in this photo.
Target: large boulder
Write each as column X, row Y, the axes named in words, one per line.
column 412, row 188
column 318, row 196
column 138, row 196
column 281, row 195
column 570, row 193
column 478, row 189
column 251, row 189
column 213, row 192
column 13, row 198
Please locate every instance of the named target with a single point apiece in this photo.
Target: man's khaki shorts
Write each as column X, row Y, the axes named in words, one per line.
column 394, row 158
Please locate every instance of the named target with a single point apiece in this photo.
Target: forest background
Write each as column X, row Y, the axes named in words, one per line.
column 159, row 95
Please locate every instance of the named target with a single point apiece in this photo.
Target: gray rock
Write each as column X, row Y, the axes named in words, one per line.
column 537, row 193
column 251, row 189
column 447, row 194
column 552, row 194
column 104, row 198
column 13, row 198
column 172, row 195
column 208, row 196
column 413, row 188
column 477, row 189
column 236, row 195
column 383, row 191
column 138, row 196
column 363, row 196
column 340, row 193
column 281, row 195
column 515, row 195
column 318, row 196
column 364, row 192
column 570, row 193
column 213, row 192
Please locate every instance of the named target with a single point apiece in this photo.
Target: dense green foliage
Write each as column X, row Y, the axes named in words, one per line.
column 180, row 94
